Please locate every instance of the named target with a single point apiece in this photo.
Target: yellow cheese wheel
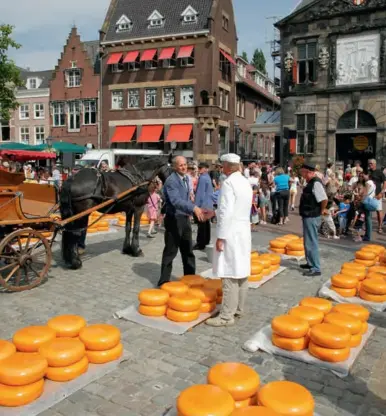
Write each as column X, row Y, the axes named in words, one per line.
column 184, row 303
column 278, row 250
column 290, row 344
column 265, row 256
column 376, row 248
column 266, row 271
column 152, row 310
column 366, row 263
column 344, row 320
column 175, row 288
column 354, row 266
column 219, row 300
column 256, row 268
column 67, row 325
column 357, row 311
column 204, row 400
column 251, row 401
column 275, row 259
column 92, row 230
column 375, row 275
column 13, row 396
column 295, row 253
column 153, row 297
column 355, row 340
column 69, row 372
column 365, row 327
column 100, row 337
column 102, row 357
column 178, row 316
column 240, row 380
column 371, row 297
column 377, row 269
column 286, row 398
column 295, row 246
column 206, row 295
column 330, row 336
column 265, row 263
column 290, row 326
column 344, row 281
column 208, row 307
column 275, row 267
column 374, row 286
column 329, row 354
column 255, row 277
column 360, row 274
column 103, row 223
column 193, row 280
column 30, row 338
column 22, row 368
column 254, row 411
column 281, row 244
column 254, row 255
column 312, row 315
column 6, row 349
column 214, row 284
column 347, row 293
column 291, row 237
column 365, row 255
column 323, row 305
column 62, row 351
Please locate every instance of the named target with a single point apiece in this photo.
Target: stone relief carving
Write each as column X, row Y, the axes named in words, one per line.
column 288, row 61
column 324, row 57
column 357, row 59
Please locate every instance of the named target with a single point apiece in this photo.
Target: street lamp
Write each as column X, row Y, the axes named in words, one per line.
column 49, row 144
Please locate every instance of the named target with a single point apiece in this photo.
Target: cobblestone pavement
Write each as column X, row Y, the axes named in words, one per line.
column 161, row 365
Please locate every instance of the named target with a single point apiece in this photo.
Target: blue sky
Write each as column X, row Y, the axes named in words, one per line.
column 43, row 26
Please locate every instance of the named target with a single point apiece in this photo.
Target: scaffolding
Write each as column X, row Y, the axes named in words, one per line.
column 275, row 50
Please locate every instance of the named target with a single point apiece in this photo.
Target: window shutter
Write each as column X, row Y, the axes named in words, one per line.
column 292, row 146
column 295, row 73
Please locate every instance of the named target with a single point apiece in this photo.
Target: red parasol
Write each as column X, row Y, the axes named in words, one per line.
column 25, row 155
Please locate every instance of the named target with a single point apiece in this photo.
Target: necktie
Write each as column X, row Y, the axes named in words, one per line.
column 185, row 180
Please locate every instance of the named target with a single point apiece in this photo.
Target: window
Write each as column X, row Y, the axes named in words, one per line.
column 89, row 112
column 208, row 137
column 187, row 97
column 32, row 83
column 124, row 24
column 119, row 67
column 242, row 107
column 117, row 100
column 150, row 97
column 187, row 61
column 73, row 115
column 238, row 99
column 190, row 19
column 168, row 97
column 306, row 62
column 39, row 133
column 169, row 63
column 58, row 114
column 134, row 66
column 305, row 125
column 225, row 22
column 224, row 99
column 189, row 15
column 156, row 22
column 225, row 68
column 156, row 19
column 153, row 64
column 73, row 78
column 134, row 98
column 24, row 112
column 38, row 111
column 24, row 134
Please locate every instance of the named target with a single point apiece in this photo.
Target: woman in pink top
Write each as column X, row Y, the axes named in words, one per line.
column 152, row 209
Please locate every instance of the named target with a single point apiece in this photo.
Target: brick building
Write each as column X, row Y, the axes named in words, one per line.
column 74, row 93
column 168, row 75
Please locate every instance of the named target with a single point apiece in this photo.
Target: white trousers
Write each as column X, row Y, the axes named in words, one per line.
column 234, row 297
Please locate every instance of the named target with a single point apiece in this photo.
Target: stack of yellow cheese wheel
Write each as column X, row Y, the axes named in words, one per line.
column 375, row 248
column 373, row 290
column 102, row 342
column 239, row 380
column 103, row 225
column 193, row 280
column 153, row 302
column 295, row 248
column 144, row 219
column 215, row 284
column 207, row 296
column 256, row 268
column 67, row 326
column 6, row 349
column 357, row 311
column 345, row 284
column 290, row 333
column 273, row 259
column 260, row 268
column 121, row 220
column 185, row 307
column 310, row 314
column 21, row 378
column 254, row 411
column 278, row 245
column 367, row 258
column 345, row 321
column 354, row 270
column 323, row 305
column 31, row 338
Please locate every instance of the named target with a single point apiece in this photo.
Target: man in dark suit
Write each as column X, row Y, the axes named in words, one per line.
column 178, row 231
column 203, row 199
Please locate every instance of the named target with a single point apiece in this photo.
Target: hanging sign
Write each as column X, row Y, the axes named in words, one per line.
column 361, row 143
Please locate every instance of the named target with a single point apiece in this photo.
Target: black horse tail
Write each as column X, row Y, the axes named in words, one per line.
column 66, row 210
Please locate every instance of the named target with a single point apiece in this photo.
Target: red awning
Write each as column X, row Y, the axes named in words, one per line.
column 185, row 51
column 150, row 134
column 23, row 155
column 123, row 134
column 228, row 57
column 166, row 53
column 131, row 57
column 148, row 55
column 114, row 58
column 179, row 133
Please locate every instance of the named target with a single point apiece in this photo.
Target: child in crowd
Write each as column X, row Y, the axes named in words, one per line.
column 328, row 225
column 255, row 207
column 359, row 220
column 264, row 198
column 344, row 207
column 152, row 209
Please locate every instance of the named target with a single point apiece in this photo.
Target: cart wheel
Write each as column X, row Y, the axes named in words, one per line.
column 25, row 258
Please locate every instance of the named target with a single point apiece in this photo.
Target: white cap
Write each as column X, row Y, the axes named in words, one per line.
column 230, row 158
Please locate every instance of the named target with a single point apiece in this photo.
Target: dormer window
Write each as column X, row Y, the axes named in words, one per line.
column 189, row 15
column 156, row 19
column 32, row 83
column 124, row 24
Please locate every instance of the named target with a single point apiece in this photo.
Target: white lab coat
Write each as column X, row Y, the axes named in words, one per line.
column 233, row 226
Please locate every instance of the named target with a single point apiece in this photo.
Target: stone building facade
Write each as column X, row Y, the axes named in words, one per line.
column 333, row 55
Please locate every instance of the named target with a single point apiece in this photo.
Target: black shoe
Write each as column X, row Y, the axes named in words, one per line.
column 311, row 273
column 197, row 247
column 305, row 267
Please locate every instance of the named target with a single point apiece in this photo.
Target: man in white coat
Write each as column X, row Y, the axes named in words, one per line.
column 232, row 253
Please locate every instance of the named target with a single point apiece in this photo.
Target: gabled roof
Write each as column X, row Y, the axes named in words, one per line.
column 303, row 4
column 139, row 11
column 45, row 76
column 92, row 49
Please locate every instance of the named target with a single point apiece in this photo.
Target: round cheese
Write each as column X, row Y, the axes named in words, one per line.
column 377, row 269
column 290, row 326
column 281, row 244
column 295, row 253
column 175, row 288
column 266, row 271
column 330, row 336
column 344, row 281
column 365, row 255
column 256, row 268
column 275, row 267
column 100, row 337
column 265, row 263
column 153, row 297
column 357, row 311
column 102, row 357
column 365, row 327
column 290, row 344
column 354, row 266
column 251, row 401
column 295, row 246
column 344, row 320
column 67, row 325
column 152, row 310
column 254, row 411
column 62, row 351
column 255, row 277
column 323, row 305
column 102, row 229
column 275, row 259
column 376, row 248
column 286, row 398
column 215, row 284
column 207, row 307
column 13, row 396
column 329, row 354
column 193, row 280
column 372, row 298
column 360, row 274
column 178, row 316
column 22, row 368
column 374, row 286
column 291, row 237
column 205, row 294
column 277, row 250
column 366, row 263
column 240, row 380
column 184, row 303
column 6, row 349
column 312, row 315
column 254, row 255
column 30, row 338
column 347, row 293
column 204, row 400
column 355, row 340
column 375, row 275
column 69, row 372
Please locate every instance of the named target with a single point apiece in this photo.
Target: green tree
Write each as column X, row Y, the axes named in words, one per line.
column 244, row 55
column 10, row 78
column 259, row 61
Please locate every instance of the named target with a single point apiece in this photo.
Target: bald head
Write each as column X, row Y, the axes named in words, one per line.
column 180, row 165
